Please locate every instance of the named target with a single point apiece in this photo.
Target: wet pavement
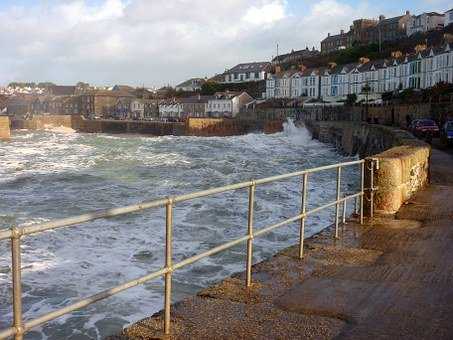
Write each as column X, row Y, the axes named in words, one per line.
column 390, row 278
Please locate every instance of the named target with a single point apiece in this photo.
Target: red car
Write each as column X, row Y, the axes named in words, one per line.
column 424, row 128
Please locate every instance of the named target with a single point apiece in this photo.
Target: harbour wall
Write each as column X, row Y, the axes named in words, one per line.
column 4, row 128
column 192, row 126
column 403, row 160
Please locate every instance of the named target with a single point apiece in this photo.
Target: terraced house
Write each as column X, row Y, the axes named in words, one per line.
column 420, row 70
column 256, row 71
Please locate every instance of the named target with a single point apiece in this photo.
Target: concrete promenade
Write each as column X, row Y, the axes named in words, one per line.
column 391, row 278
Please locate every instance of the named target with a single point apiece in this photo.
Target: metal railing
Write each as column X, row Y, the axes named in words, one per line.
column 15, row 234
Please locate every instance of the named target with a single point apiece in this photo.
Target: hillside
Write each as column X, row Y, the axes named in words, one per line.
column 350, row 55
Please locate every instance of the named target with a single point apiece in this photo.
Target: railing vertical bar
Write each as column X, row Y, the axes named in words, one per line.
column 337, row 210
column 168, row 265
column 248, row 280
column 362, row 189
column 344, row 211
column 302, row 220
column 372, row 188
column 17, row 283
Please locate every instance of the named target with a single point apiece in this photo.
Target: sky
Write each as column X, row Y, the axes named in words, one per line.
column 159, row 42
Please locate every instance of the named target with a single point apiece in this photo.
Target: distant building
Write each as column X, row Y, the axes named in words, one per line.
column 295, row 56
column 190, row 85
column 448, row 17
column 171, row 109
column 195, row 106
column 425, row 22
column 247, row 72
column 102, row 103
column 144, row 108
column 228, row 104
column 360, row 30
column 19, row 106
column 367, row 31
column 60, row 90
column 336, row 42
column 419, row 70
column 390, row 29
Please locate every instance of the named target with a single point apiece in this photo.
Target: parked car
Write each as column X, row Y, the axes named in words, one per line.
column 423, row 128
column 446, row 134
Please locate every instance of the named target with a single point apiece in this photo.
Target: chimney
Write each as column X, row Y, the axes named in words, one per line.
column 328, row 34
column 342, row 32
column 381, row 17
column 408, row 13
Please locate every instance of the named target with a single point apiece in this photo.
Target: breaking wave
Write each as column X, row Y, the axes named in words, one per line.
column 54, row 173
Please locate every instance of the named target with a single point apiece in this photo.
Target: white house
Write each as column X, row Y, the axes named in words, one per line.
column 247, row 72
column 448, row 17
column 171, row 109
column 419, row 70
column 326, row 77
column 271, row 86
column 310, row 83
column 190, row 85
column 296, row 84
column 425, row 22
column 228, row 104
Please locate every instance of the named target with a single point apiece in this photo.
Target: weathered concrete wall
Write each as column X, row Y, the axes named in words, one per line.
column 80, row 124
column 4, row 128
column 42, row 122
column 193, row 126
column 403, row 160
column 118, row 126
column 230, row 127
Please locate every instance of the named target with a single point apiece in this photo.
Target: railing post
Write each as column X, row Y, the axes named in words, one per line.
column 17, row 284
column 303, row 210
column 344, row 211
column 372, row 188
column 168, row 264
column 337, row 210
column 248, row 279
column 362, row 190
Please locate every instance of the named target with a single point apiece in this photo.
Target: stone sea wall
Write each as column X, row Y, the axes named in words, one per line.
column 192, row 127
column 403, row 160
column 4, row 128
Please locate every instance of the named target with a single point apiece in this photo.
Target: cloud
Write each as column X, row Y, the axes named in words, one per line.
column 265, row 14
column 157, row 42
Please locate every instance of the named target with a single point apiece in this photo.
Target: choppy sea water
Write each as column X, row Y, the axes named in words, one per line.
column 59, row 173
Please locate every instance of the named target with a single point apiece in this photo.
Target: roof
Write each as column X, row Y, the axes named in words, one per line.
column 250, row 67
column 108, row 93
column 125, row 88
column 391, row 20
column 305, row 53
column 62, row 90
column 336, row 36
column 309, row 71
column 196, row 99
column 191, row 82
column 435, row 14
column 20, row 100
